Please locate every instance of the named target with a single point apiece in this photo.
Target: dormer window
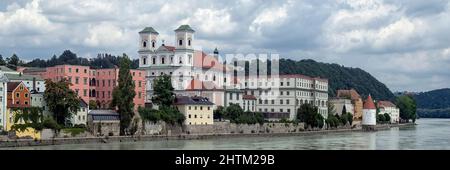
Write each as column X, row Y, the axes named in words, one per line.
column 144, row 44
column 180, row 42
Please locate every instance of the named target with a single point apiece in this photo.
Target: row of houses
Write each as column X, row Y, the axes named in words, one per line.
column 352, row 102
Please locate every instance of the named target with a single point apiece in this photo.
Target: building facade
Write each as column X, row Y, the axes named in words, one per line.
column 369, row 119
column 195, row 73
column 197, row 110
column 389, row 108
column 340, row 103
column 357, row 102
column 3, row 100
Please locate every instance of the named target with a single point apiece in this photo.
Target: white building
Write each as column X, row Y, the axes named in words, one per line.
column 81, row 116
column 340, row 103
column 369, row 119
column 195, row 73
column 34, row 83
column 249, row 103
column 389, row 108
column 3, row 100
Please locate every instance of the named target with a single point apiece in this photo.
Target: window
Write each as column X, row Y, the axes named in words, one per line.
column 237, row 96
column 289, row 110
column 162, row 60
column 144, row 44
column 76, row 70
column 109, row 83
column 189, row 109
column 139, row 95
column 17, row 95
column 84, row 92
column 85, row 71
column 70, row 70
column 287, row 101
column 76, row 80
column 154, row 60
column 144, row 60
column 260, row 101
column 281, row 110
column 201, row 107
column 140, row 82
column 153, row 44
column 17, row 102
column 231, row 96
column 287, row 93
column 85, row 81
column 272, row 110
column 103, row 94
column 103, row 82
column 195, row 108
column 287, row 83
column 180, row 42
column 189, row 116
column 195, row 116
column 209, row 108
column 109, row 94
column 26, row 102
column 273, row 101
column 189, row 42
column 26, row 95
column 281, row 101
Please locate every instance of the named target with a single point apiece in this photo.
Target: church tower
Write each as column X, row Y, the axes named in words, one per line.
column 184, row 37
column 149, row 37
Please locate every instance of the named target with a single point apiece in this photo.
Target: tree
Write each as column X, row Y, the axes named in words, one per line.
column 61, row 100
column 233, row 111
column 13, row 60
column 350, row 118
column 380, row 118
column 123, row 95
column 344, row 110
column 219, row 112
column 163, row 91
column 93, row 104
column 387, row 117
column 2, row 61
column 309, row 114
column 407, row 106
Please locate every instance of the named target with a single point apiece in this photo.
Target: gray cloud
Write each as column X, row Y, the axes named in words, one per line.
column 404, row 44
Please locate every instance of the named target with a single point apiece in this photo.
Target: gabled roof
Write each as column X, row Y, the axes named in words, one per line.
column 184, row 28
column 352, row 94
column 12, row 86
column 166, row 48
column 147, row 30
column 384, row 104
column 368, row 104
column 23, row 77
column 196, row 100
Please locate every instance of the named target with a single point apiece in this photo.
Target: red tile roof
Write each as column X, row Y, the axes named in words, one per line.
column 201, row 85
column 170, row 48
column 383, row 104
column 12, row 86
column 352, row 94
column 368, row 104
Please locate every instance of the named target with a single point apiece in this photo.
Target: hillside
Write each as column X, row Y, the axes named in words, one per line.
column 434, row 103
column 339, row 77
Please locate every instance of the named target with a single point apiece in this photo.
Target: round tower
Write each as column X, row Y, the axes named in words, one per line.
column 369, row 119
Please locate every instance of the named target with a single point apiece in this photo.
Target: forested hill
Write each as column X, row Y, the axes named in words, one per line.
column 434, row 103
column 339, row 77
column 68, row 57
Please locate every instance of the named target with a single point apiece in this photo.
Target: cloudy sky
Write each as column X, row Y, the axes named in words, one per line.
column 404, row 44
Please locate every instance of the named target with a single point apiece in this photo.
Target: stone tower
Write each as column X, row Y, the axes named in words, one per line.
column 369, row 119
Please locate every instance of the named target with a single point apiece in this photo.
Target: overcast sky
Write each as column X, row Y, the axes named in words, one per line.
column 403, row 43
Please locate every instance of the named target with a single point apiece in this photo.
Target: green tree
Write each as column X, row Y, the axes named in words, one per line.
column 233, row 111
column 123, row 95
column 2, row 61
column 163, row 91
column 380, row 118
column 309, row 114
column 408, row 107
column 387, row 117
column 219, row 112
column 61, row 100
column 13, row 60
column 350, row 118
column 93, row 104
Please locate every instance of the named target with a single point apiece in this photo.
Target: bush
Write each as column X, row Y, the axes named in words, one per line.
column 380, row 118
column 74, row 131
column 167, row 114
column 80, row 126
column 50, row 123
column 387, row 117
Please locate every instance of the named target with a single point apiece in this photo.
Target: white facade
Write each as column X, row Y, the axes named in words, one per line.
column 393, row 112
column 3, row 100
column 81, row 116
column 369, row 117
column 339, row 104
column 37, row 100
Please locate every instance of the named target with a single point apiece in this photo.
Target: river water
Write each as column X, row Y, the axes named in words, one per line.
column 428, row 134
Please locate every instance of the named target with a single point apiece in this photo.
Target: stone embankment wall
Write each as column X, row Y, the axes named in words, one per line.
column 161, row 128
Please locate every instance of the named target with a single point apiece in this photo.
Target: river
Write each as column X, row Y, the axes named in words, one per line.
column 431, row 134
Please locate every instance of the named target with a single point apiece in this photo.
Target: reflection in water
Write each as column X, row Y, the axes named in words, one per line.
column 429, row 134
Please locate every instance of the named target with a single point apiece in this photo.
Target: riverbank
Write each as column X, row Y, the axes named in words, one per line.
column 100, row 140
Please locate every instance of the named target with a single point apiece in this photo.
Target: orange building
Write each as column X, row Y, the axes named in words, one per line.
column 18, row 95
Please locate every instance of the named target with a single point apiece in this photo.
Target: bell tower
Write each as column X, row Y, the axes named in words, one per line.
column 184, row 37
column 149, row 37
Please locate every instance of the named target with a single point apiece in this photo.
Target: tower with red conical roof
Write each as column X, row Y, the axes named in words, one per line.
column 369, row 119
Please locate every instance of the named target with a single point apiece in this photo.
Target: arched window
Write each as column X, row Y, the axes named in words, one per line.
column 153, row 43
column 154, row 60
column 181, row 61
column 189, row 42
column 144, row 60
column 162, row 60
column 180, row 42
column 144, row 44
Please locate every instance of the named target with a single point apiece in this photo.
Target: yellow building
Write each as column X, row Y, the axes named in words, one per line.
column 10, row 113
column 197, row 110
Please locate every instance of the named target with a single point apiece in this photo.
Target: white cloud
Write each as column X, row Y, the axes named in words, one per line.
column 212, row 22
column 104, row 35
column 271, row 17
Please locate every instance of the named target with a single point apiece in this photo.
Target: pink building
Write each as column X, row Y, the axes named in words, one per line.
column 97, row 84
